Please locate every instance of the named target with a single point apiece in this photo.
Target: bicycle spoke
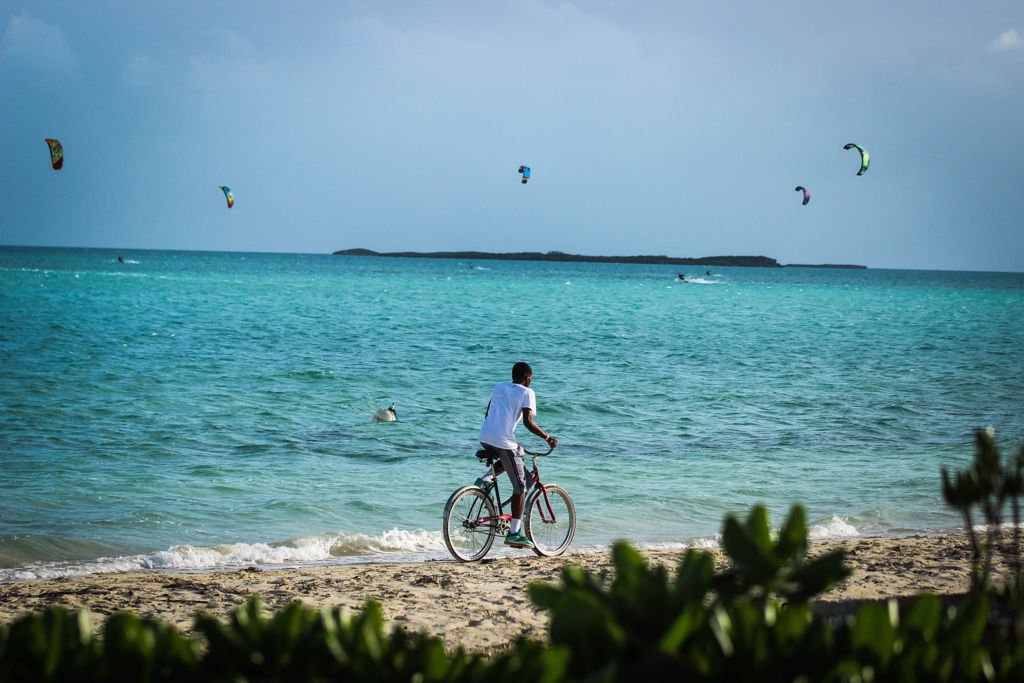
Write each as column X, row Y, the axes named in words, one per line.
column 467, row 538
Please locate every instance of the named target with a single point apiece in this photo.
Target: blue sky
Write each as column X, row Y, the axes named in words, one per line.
column 675, row 127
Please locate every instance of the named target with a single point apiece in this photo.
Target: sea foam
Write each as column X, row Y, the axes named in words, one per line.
column 837, row 527
column 396, row 545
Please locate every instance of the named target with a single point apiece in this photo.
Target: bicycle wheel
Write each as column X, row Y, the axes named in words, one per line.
column 467, row 538
column 550, row 521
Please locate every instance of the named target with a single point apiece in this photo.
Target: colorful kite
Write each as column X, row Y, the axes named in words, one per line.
column 807, row 193
column 56, row 154
column 227, row 195
column 525, row 170
column 865, row 158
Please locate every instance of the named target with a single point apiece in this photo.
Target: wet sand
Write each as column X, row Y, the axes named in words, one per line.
column 480, row 606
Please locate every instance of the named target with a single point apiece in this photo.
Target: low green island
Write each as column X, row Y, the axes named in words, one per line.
column 560, row 256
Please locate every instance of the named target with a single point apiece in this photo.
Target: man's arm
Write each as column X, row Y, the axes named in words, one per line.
column 532, row 425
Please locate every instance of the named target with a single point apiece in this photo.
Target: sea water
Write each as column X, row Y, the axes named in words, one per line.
column 191, row 411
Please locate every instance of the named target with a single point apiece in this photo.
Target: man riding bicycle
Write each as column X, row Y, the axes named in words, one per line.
column 511, row 402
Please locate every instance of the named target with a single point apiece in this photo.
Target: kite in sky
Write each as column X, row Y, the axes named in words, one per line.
column 525, row 170
column 865, row 158
column 56, row 154
column 228, row 195
column 807, row 193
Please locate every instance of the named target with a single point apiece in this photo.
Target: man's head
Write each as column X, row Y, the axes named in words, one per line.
column 522, row 373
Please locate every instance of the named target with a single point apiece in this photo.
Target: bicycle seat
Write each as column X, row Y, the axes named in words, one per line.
column 484, row 454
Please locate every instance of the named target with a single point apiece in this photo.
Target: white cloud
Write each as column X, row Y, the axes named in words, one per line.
column 1007, row 40
column 38, row 43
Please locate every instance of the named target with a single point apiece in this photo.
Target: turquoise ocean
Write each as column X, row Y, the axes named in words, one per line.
column 195, row 411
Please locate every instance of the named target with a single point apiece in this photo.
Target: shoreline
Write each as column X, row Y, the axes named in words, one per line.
column 478, row 606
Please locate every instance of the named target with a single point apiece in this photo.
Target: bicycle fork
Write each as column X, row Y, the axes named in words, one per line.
column 548, row 518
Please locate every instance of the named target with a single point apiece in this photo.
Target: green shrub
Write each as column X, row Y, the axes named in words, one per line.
column 302, row 644
column 753, row 622
column 146, row 650
column 728, row 626
column 295, row 644
column 52, row 645
column 988, row 485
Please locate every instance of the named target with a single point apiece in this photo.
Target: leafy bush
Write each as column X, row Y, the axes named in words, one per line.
column 988, row 484
column 58, row 645
column 296, row 644
column 753, row 622
column 699, row 623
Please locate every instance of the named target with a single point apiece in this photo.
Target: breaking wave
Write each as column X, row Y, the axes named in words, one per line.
column 396, row 545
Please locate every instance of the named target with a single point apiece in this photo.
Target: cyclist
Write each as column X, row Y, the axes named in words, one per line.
column 511, row 402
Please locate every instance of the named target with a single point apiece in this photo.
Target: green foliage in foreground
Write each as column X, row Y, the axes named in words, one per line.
column 986, row 487
column 754, row 622
column 750, row 622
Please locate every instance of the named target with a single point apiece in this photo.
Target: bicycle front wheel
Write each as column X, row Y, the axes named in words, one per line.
column 550, row 520
column 469, row 524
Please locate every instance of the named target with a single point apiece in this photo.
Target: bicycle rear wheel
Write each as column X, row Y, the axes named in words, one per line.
column 550, row 521
column 468, row 539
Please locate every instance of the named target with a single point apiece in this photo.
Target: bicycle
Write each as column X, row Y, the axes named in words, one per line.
column 471, row 520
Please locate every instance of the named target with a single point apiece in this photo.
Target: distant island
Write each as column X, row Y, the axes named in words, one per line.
column 561, row 256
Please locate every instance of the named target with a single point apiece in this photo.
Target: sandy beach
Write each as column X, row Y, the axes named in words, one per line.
column 478, row 606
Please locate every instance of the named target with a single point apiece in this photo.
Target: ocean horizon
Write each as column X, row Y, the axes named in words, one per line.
column 189, row 411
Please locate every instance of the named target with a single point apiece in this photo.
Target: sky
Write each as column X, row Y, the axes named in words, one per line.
column 678, row 127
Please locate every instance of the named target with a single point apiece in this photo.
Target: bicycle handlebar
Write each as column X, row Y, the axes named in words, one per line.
column 537, row 455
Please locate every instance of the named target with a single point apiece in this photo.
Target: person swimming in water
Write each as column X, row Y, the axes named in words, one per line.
column 388, row 414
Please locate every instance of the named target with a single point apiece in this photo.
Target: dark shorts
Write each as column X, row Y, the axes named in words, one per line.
column 512, row 461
